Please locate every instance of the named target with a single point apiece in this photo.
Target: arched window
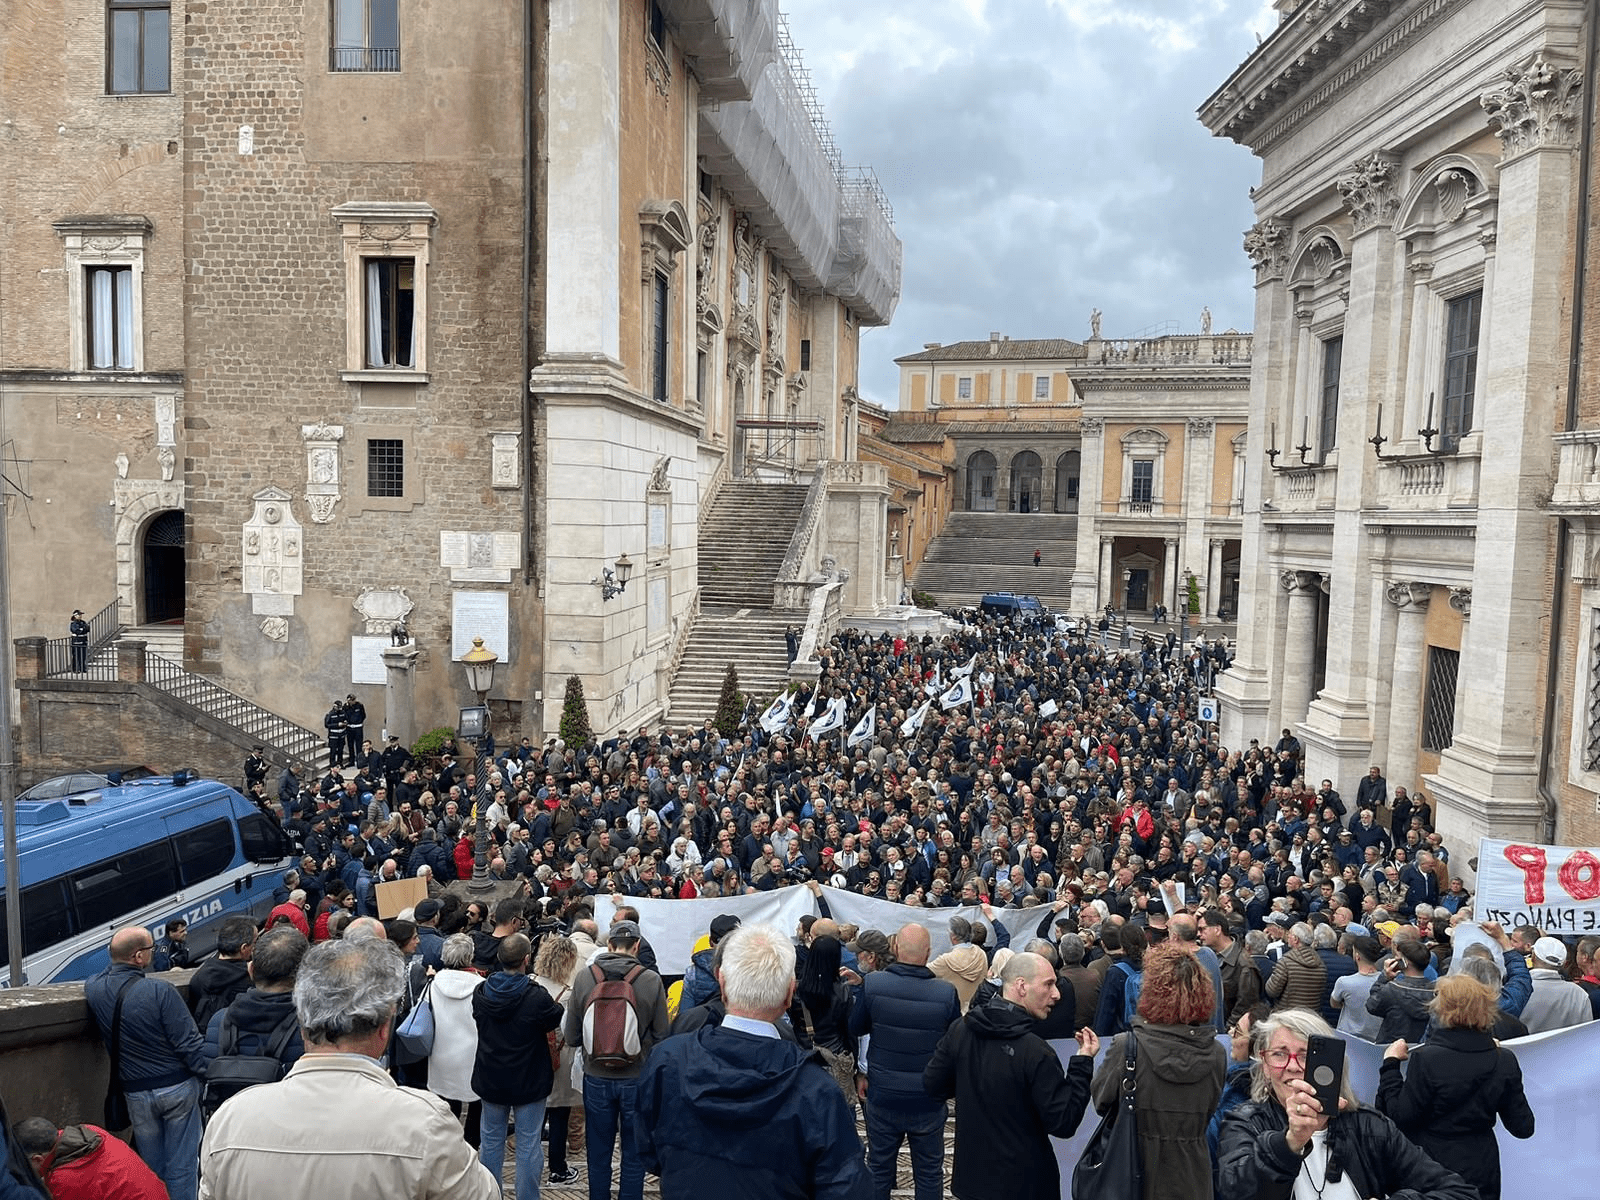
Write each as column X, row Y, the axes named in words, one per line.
column 1027, row 483
column 981, row 474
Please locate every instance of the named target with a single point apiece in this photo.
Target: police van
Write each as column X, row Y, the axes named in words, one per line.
column 143, row 853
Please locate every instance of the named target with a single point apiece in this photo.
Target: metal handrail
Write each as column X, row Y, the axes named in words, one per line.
column 103, row 629
column 214, row 700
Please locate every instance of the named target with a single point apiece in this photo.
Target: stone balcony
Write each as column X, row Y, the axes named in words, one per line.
column 1301, row 489
column 1577, row 487
column 1429, row 482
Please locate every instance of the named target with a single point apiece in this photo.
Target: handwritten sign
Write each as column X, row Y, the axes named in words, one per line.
column 1553, row 888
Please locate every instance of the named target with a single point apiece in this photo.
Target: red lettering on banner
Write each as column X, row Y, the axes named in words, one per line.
column 1531, row 861
column 1580, row 876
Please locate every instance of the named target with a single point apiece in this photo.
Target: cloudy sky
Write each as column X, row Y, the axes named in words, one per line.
column 1043, row 158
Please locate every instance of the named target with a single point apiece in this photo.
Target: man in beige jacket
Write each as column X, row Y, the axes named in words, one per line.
column 297, row 1137
column 964, row 966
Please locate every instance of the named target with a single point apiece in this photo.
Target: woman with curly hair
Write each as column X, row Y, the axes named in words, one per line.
column 1179, row 1068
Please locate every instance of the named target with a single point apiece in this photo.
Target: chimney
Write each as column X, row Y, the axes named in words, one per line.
column 994, row 343
column 930, row 345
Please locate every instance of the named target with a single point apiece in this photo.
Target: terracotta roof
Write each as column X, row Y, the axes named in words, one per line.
column 904, row 432
column 1011, row 349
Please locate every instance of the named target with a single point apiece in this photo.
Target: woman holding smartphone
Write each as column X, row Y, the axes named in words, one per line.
column 1284, row 1146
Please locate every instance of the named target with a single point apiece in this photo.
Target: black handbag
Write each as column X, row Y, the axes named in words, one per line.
column 116, row 1114
column 1110, row 1168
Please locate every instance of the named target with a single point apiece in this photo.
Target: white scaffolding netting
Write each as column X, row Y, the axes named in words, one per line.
column 731, row 41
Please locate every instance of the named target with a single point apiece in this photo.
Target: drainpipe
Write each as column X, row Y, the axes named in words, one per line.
column 1547, row 748
column 525, row 406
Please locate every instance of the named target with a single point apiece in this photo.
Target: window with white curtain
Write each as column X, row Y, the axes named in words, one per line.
column 387, row 244
column 391, row 313
column 110, row 315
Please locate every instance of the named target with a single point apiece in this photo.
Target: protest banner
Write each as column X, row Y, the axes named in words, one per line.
column 1556, row 889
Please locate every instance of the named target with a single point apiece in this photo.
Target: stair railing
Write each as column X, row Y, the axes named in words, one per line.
column 790, row 588
column 103, row 629
column 212, row 699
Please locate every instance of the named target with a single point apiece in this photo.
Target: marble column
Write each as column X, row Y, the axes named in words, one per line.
column 1090, row 585
column 1461, row 602
column 399, row 691
column 1169, row 579
column 1300, row 642
column 1406, row 682
column 1214, row 579
column 1105, row 594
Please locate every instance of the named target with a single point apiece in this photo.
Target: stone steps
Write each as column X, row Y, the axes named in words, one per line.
column 744, row 541
column 751, row 639
column 993, row 552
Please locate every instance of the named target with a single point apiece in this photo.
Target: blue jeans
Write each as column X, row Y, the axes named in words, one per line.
column 166, row 1132
column 530, row 1144
column 924, row 1130
column 608, row 1109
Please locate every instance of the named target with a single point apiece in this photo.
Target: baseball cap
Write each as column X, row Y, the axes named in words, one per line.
column 1552, row 952
column 428, row 910
column 1282, row 919
column 624, row 931
column 1356, row 930
column 721, row 926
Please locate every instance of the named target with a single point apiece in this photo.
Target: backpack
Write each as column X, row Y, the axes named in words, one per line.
column 231, row 1072
column 611, row 1036
column 1130, row 994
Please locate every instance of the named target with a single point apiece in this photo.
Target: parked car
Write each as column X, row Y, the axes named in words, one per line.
column 76, row 782
column 1007, row 604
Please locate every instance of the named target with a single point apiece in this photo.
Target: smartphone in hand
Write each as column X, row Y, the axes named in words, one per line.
column 1325, row 1071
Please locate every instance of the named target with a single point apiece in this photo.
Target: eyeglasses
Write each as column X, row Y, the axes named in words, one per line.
column 1281, row 1058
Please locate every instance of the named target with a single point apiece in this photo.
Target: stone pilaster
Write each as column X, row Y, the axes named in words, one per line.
column 1214, row 579
column 1089, row 587
column 1406, row 681
column 399, row 692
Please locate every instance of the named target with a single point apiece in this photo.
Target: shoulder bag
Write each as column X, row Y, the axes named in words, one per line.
column 1110, row 1168
column 117, row 1117
column 413, row 1041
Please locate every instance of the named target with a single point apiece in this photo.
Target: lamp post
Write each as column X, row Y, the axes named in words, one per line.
column 474, row 724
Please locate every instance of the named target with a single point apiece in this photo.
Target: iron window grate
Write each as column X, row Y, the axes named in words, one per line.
column 1439, row 702
column 386, row 467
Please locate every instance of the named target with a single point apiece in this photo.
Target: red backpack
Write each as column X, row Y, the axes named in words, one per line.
column 611, row 1036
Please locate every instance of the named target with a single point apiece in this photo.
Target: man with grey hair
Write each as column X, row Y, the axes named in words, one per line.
column 1300, row 977
column 964, row 966
column 294, row 1138
column 1010, row 1091
column 736, row 1109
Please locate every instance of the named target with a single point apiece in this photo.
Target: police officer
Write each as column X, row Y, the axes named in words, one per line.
column 79, row 629
column 255, row 768
column 355, row 716
column 337, row 725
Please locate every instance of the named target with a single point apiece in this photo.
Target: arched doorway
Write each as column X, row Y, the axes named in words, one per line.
column 1027, row 482
column 1067, row 467
column 981, row 471
column 163, row 568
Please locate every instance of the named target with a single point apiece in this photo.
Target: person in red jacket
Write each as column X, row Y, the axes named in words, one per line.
column 84, row 1162
column 466, row 854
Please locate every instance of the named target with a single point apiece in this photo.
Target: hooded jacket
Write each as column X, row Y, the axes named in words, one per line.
column 89, row 1164
column 1402, row 1002
column 963, row 967
column 721, row 1112
column 256, row 1015
column 455, row 1034
column 513, row 1013
column 215, row 985
column 650, row 1009
column 1179, row 1071
column 1011, row 1097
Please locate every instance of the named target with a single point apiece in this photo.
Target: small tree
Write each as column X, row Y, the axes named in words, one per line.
column 730, row 705
column 575, row 729
column 1192, row 604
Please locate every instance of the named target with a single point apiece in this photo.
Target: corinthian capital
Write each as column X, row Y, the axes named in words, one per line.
column 1371, row 190
column 1267, row 244
column 1534, row 106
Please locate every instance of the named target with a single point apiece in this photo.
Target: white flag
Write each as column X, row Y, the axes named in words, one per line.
column 959, row 693
column 914, row 721
column 831, row 720
column 866, row 729
column 777, row 714
column 933, row 687
column 966, row 671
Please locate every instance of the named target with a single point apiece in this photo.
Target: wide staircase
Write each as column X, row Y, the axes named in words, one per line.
column 742, row 547
column 993, row 552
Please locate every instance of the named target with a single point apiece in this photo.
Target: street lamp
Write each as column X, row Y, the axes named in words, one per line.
column 614, row 583
column 474, row 726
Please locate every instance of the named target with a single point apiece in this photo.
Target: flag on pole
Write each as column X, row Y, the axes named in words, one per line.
column 933, row 687
column 777, row 714
column 966, row 671
column 831, row 720
column 914, row 721
column 866, row 729
column 957, row 694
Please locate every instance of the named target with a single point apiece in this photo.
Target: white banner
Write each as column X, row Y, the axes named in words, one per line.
column 1553, row 888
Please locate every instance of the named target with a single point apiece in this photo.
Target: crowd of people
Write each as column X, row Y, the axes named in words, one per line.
column 1184, row 890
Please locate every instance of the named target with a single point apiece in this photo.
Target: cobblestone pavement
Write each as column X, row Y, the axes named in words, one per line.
column 580, row 1190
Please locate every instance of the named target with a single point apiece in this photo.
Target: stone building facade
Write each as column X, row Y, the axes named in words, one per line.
column 320, row 322
column 1414, row 265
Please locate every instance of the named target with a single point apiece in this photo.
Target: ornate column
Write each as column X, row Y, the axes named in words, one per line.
column 1214, row 579
column 1104, row 583
column 1405, row 681
column 1169, row 577
column 1089, row 582
column 1300, row 642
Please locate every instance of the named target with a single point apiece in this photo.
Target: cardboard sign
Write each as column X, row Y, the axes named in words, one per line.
column 1556, row 889
column 402, row 894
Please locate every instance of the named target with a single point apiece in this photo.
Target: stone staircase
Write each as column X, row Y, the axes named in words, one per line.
column 743, row 543
column 751, row 639
column 993, row 552
column 165, row 639
column 742, row 547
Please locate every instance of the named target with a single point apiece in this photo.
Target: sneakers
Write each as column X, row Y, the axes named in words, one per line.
column 564, row 1178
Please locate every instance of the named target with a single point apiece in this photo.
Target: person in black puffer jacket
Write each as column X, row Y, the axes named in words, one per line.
column 1402, row 992
column 220, row 980
column 1457, row 1085
column 1269, row 1143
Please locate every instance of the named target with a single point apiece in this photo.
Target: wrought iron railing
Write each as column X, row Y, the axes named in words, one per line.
column 103, row 629
column 214, row 700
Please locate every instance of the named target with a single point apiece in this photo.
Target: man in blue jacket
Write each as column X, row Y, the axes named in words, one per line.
column 907, row 1011
column 737, row 1109
column 161, row 1060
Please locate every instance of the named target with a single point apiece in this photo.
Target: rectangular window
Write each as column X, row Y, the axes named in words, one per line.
column 964, row 388
column 658, row 25
column 805, row 354
column 658, row 353
column 1462, row 316
column 386, row 467
column 1328, row 423
column 1439, row 701
column 110, row 316
column 366, row 35
column 701, row 369
column 1041, row 387
column 205, row 851
column 114, row 886
column 391, row 313
column 138, row 46
column 1143, row 484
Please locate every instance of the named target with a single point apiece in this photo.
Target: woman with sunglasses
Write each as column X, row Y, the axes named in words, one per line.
column 1283, row 1146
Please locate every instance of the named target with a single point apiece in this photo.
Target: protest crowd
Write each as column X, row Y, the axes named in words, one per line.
column 1114, row 879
